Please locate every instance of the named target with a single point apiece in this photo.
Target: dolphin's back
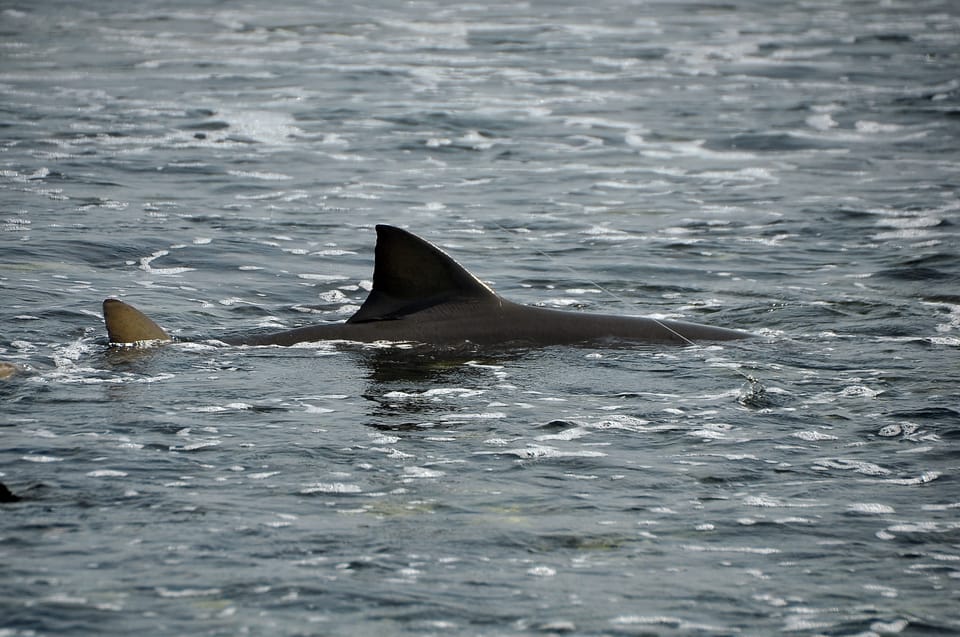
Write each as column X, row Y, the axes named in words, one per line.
column 421, row 294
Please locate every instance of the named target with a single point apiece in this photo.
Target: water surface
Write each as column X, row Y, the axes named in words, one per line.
column 790, row 169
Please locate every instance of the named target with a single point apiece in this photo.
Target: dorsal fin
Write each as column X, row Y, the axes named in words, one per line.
column 128, row 325
column 410, row 274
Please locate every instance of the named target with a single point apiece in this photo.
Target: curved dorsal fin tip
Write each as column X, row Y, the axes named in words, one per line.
column 127, row 324
column 411, row 274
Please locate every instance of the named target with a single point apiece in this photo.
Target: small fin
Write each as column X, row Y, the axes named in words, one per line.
column 6, row 495
column 9, row 370
column 126, row 324
column 411, row 274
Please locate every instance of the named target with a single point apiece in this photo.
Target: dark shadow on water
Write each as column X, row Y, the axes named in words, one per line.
column 421, row 366
column 399, row 381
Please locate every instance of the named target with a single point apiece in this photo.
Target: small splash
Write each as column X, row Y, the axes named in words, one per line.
column 753, row 393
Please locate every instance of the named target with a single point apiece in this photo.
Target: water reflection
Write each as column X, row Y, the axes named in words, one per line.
column 408, row 389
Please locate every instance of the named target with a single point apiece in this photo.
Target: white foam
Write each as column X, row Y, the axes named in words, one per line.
column 732, row 549
column 671, row 150
column 145, row 265
column 436, row 393
column 870, row 127
column 421, row 472
column 41, row 458
column 487, row 415
column 813, row 436
column 821, row 121
column 331, row 487
column 843, row 464
column 567, row 434
column 269, row 127
column 923, row 478
column 187, row 592
column 870, row 508
column 107, row 473
column 263, row 475
column 761, row 501
column 541, row 452
column 266, row 176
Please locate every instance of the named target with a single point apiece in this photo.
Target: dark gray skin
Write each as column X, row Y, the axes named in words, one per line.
column 488, row 324
column 422, row 295
column 6, row 496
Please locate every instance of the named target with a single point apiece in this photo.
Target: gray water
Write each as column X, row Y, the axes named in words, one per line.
column 788, row 168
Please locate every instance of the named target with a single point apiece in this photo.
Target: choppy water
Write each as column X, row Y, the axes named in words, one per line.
column 786, row 168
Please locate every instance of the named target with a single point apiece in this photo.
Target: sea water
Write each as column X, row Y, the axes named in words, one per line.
column 789, row 168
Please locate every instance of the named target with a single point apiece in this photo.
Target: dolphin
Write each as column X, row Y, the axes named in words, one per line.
column 6, row 495
column 421, row 295
column 9, row 370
